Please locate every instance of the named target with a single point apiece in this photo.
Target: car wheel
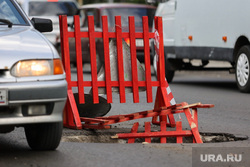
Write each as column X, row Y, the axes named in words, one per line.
column 45, row 136
column 242, row 69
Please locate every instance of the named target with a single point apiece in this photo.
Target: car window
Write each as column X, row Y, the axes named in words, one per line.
column 9, row 12
column 125, row 12
column 91, row 12
column 52, row 8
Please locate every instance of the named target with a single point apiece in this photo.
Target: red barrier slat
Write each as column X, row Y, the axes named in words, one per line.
column 163, row 130
column 65, row 49
column 78, row 47
column 61, row 38
column 133, row 59
column 119, row 47
column 161, row 63
column 114, row 83
column 147, row 59
column 179, row 139
column 92, row 48
column 85, row 34
column 147, row 130
column 133, row 130
column 106, row 59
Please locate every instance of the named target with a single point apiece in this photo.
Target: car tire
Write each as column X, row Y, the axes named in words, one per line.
column 45, row 136
column 242, row 73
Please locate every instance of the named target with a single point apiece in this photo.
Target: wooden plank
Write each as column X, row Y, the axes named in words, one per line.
column 147, row 130
column 92, row 48
column 154, row 134
column 193, row 125
column 65, row 49
column 179, row 139
column 78, row 49
column 118, row 28
column 76, row 118
column 133, row 131
column 163, row 130
column 132, row 38
column 147, row 59
column 161, row 62
column 106, row 59
column 87, row 126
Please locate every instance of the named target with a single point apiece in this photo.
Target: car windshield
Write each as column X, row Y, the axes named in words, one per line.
column 10, row 13
column 125, row 12
column 52, row 8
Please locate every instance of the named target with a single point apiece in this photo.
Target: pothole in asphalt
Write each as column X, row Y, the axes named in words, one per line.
column 104, row 136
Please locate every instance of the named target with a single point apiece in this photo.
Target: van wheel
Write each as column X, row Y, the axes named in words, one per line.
column 45, row 136
column 242, row 69
column 169, row 73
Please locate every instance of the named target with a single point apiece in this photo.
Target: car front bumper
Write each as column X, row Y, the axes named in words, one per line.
column 25, row 96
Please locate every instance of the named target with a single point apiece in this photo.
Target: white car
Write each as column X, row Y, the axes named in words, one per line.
column 33, row 89
column 50, row 10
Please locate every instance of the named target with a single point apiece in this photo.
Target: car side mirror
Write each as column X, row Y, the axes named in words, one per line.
column 42, row 25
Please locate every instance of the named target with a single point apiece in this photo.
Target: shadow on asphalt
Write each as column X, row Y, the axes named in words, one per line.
column 224, row 85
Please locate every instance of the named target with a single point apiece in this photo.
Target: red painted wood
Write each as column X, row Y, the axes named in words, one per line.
column 118, row 29
column 147, row 130
column 163, row 125
column 147, row 59
column 92, row 48
column 78, row 47
column 75, row 119
column 161, row 62
column 133, row 59
column 111, row 34
column 185, row 133
column 65, row 49
column 133, row 131
column 192, row 124
column 179, row 139
column 106, row 59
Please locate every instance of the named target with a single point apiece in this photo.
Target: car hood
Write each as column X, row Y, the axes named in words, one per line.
column 22, row 43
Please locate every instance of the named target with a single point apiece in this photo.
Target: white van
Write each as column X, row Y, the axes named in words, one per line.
column 207, row 30
column 50, row 10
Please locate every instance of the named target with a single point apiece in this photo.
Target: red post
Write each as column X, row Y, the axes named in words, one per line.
column 78, row 47
column 118, row 28
column 147, row 59
column 106, row 58
column 133, row 59
column 92, row 48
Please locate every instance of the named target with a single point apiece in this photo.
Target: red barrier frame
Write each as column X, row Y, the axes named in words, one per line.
column 163, row 97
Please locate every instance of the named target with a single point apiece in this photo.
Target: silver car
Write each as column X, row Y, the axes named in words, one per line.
column 33, row 89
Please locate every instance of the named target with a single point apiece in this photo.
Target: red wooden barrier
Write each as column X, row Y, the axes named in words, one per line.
column 163, row 98
column 164, row 106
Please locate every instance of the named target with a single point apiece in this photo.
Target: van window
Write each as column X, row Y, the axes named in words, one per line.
column 52, row 8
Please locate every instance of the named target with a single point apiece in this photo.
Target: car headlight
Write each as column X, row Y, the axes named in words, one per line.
column 27, row 68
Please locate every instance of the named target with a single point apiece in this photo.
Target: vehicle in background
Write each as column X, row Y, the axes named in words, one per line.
column 111, row 10
column 204, row 31
column 33, row 89
column 50, row 10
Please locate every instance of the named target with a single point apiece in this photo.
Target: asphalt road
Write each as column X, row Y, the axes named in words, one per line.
column 230, row 115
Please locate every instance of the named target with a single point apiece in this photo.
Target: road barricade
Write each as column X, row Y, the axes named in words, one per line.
column 164, row 104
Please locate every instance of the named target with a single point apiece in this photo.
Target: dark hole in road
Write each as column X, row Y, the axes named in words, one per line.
column 104, row 136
